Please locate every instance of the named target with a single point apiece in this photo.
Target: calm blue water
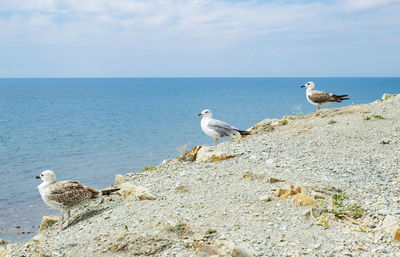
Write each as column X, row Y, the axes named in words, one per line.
column 93, row 129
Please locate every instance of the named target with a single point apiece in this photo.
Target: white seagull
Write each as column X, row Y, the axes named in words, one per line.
column 66, row 195
column 216, row 128
column 320, row 98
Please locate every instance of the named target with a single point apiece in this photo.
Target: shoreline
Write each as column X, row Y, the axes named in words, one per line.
column 260, row 195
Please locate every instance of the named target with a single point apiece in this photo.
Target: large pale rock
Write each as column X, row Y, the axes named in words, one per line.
column 119, row 180
column 389, row 223
column 191, row 155
column 38, row 238
column 277, row 122
column 387, row 96
column 207, row 154
column 262, row 126
column 47, row 222
column 229, row 248
column 243, row 250
column 205, row 250
column 138, row 192
column 224, row 246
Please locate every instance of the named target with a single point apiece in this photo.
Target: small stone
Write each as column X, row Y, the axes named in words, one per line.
column 275, row 180
column 318, row 196
column 281, row 238
column 252, row 176
column 199, row 177
column 3, row 252
column 2, row 241
column 302, row 200
column 383, row 212
column 187, row 243
column 397, row 234
column 180, row 188
column 265, row 198
column 223, row 157
column 316, row 212
column 339, row 248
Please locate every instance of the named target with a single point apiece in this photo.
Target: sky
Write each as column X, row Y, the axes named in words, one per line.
column 199, row 38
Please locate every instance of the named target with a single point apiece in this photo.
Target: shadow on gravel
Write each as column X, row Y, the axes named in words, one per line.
column 87, row 215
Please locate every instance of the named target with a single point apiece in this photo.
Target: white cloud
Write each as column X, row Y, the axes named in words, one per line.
column 361, row 5
column 215, row 28
column 182, row 19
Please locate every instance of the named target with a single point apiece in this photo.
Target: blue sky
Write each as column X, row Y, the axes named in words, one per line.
column 199, row 38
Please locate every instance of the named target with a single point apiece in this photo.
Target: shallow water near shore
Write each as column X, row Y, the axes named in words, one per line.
column 92, row 129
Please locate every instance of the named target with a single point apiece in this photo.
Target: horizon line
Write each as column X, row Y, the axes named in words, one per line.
column 200, row 77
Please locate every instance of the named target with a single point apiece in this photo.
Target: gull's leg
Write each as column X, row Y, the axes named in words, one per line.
column 216, row 139
column 61, row 220
column 68, row 217
column 317, row 107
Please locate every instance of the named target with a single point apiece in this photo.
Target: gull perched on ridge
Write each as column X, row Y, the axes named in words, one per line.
column 320, row 98
column 66, row 195
column 216, row 128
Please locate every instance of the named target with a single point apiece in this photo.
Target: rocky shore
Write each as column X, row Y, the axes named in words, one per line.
column 325, row 184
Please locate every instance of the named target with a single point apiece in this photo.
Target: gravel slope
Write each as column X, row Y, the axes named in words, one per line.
column 230, row 207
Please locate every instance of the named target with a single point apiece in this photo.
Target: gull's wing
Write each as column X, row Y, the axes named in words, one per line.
column 69, row 193
column 221, row 127
column 321, row 97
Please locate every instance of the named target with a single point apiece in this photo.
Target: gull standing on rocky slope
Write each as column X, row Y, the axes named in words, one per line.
column 216, row 128
column 66, row 195
column 320, row 98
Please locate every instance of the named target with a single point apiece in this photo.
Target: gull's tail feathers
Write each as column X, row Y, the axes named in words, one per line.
column 340, row 98
column 108, row 191
column 244, row 132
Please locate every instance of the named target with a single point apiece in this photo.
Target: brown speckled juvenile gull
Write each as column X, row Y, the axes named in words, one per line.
column 66, row 195
column 321, row 98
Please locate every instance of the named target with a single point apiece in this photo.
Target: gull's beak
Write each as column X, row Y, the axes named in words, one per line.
column 199, row 114
column 38, row 177
column 302, row 86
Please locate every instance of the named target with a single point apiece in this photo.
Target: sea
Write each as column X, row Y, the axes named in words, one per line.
column 90, row 129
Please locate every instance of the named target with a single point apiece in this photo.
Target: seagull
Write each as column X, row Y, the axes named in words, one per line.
column 216, row 128
column 320, row 98
column 66, row 195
